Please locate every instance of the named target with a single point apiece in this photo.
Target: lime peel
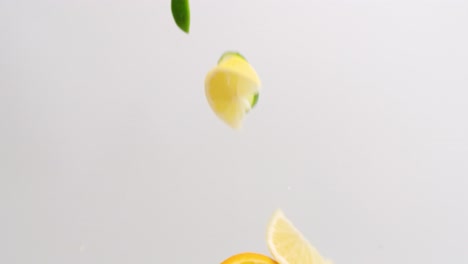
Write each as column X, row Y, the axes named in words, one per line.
column 181, row 14
column 254, row 100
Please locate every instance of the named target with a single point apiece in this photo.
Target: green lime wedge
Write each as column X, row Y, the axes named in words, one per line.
column 181, row 13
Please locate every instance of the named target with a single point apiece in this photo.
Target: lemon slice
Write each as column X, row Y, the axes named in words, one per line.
column 288, row 245
column 249, row 258
column 232, row 88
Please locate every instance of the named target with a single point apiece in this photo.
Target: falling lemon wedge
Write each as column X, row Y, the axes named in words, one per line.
column 288, row 245
column 232, row 88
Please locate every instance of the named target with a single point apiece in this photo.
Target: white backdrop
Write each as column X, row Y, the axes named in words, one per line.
column 109, row 152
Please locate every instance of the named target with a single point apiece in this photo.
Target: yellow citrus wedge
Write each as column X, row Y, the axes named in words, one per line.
column 249, row 258
column 232, row 88
column 288, row 245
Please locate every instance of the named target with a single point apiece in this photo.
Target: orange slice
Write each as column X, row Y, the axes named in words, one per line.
column 249, row 258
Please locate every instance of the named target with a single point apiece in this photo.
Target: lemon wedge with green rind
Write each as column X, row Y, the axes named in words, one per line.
column 227, row 55
column 232, row 88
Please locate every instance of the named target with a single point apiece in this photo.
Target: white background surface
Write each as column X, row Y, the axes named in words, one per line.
column 110, row 153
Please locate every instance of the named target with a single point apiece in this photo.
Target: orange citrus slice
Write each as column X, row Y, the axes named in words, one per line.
column 249, row 258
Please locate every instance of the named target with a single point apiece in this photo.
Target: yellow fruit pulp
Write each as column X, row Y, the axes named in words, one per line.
column 288, row 245
column 230, row 89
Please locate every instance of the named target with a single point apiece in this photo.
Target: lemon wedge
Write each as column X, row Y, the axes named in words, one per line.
column 249, row 258
column 288, row 245
column 232, row 88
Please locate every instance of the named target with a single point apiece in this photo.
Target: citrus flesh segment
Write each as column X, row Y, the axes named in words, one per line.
column 234, row 62
column 249, row 258
column 232, row 89
column 238, row 65
column 225, row 100
column 288, row 245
